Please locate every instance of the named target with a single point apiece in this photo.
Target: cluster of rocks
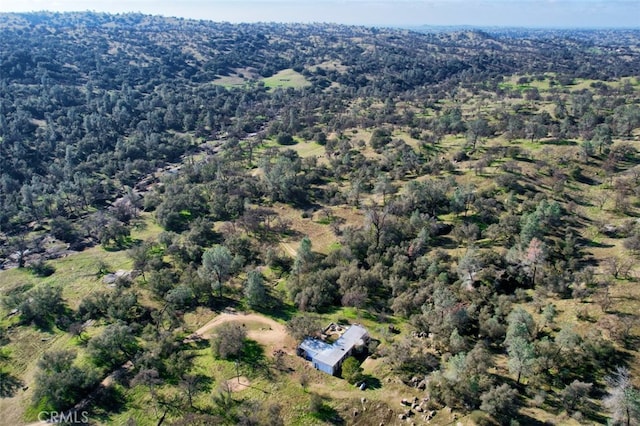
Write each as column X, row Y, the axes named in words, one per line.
column 419, row 335
column 363, row 401
column 120, row 276
column 417, row 382
column 416, row 407
column 40, row 249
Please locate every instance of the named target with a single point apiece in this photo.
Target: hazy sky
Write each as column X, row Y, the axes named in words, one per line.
column 521, row 13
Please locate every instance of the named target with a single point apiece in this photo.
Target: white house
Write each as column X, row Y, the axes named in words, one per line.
column 328, row 357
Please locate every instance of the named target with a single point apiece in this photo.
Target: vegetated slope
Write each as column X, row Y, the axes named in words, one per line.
column 474, row 191
column 93, row 102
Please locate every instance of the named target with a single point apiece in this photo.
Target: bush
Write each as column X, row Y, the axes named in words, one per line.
column 64, row 230
column 380, row 138
column 42, row 305
column 42, row 269
column 500, row 402
column 302, row 326
column 229, row 341
column 351, row 370
column 574, row 396
column 460, row 156
column 315, row 403
column 180, row 297
column 285, row 139
column 116, row 345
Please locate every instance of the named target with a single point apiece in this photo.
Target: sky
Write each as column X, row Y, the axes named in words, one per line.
column 406, row 13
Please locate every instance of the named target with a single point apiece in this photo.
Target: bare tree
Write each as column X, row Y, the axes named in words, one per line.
column 376, row 220
column 623, row 400
column 574, row 395
column 618, row 266
column 192, row 384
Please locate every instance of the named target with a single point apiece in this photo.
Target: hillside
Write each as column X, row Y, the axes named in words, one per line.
column 470, row 197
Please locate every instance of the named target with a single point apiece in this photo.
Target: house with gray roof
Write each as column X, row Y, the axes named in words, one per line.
column 328, row 357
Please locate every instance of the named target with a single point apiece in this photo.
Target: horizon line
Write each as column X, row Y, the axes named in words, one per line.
column 293, row 22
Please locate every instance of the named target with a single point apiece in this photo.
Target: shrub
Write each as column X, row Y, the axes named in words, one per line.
column 351, row 370
column 42, row 269
column 285, row 139
column 229, row 341
column 501, row 402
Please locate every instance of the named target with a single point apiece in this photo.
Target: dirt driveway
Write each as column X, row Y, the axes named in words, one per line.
column 262, row 329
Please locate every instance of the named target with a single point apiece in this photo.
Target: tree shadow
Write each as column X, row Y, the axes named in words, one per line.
column 587, row 180
column 326, row 413
column 220, row 304
column 196, row 342
column 124, row 244
column 278, row 310
column 591, row 243
column 372, row 383
column 204, row 382
column 445, row 242
column 107, row 402
column 9, row 384
column 559, row 142
column 530, row 421
column 631, row 342
column 50, row 321
column 593, row 412
column 253, row 356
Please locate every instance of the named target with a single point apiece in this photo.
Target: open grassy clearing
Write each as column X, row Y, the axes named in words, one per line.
column 286, row 79
column 77, row 274
column 320, row 234
column 308, row 149
column 230, row 81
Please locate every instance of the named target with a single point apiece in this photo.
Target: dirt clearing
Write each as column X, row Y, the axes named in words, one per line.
column 260, row 328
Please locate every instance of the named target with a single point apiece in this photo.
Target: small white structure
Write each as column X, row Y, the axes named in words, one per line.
column 329, row 357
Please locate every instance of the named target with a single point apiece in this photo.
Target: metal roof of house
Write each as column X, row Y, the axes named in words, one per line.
column 334, row 353
column 314, row 346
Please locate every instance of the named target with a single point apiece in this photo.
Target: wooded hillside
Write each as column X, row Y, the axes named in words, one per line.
column 470, row 197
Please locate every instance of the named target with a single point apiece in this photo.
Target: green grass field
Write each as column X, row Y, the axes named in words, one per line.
column 285, row 79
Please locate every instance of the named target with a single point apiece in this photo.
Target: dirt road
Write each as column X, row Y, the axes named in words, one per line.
column 273, row 333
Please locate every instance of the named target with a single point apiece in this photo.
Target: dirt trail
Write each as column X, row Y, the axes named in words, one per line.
column 273, row 334
column 287, row 247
